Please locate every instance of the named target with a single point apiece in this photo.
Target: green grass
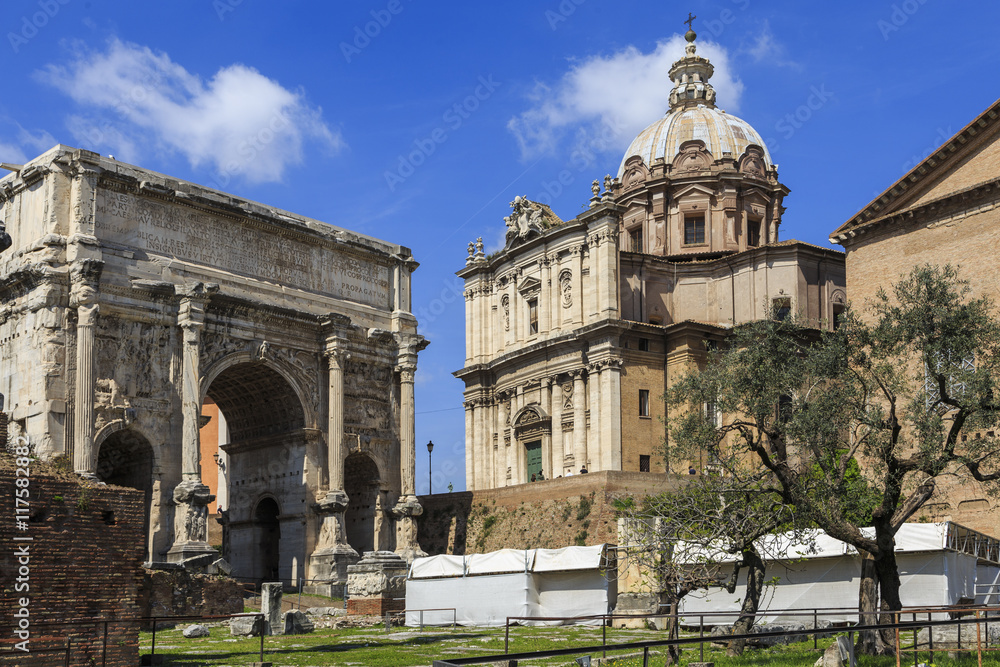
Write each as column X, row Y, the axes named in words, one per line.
column 406, row 647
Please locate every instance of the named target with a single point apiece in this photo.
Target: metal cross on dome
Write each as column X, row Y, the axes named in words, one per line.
column 691, row 18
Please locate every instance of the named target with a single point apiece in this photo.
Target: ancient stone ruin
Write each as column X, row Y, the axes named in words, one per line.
column 130, row 299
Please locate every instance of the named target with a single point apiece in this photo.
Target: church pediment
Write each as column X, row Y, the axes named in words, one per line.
column 696, row 189
column 529, row 287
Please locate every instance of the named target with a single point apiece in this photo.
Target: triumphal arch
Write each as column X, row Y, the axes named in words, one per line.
column 130, row 299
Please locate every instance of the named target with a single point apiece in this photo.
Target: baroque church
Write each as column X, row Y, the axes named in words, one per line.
column 576, row 327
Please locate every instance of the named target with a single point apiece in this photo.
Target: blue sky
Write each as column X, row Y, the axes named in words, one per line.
column 418, row 121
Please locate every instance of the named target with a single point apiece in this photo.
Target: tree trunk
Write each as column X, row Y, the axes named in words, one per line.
column 755, row 585
column 889, row 584
column 868, row 604
column 673, row 632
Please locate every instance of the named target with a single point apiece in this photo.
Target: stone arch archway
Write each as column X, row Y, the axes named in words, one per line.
column 302, row 387
column 125, row 458
column 267, row 452
column 363, row 520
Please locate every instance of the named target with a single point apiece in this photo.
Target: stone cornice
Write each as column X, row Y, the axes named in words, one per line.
column 573, row 342
column 954, row 205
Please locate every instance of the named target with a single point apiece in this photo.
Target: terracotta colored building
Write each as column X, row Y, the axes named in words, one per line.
column 946, row 210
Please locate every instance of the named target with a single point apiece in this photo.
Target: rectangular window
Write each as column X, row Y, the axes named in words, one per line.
column 753, row 233
column 644, row 345
column 643, row 462
column 643, row 402
column 635, row 240
column 694, row 230
column 712, row 414
column 782, row 308
column 532, row 316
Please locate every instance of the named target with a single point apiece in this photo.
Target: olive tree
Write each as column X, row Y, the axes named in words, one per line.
column 905, row 389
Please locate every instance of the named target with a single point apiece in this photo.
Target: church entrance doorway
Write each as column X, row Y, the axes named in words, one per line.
column 362, row 487
column 533, row 458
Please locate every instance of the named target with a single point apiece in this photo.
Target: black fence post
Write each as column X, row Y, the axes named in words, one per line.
column 815, row 629
column 104, row 650
column 263, row 624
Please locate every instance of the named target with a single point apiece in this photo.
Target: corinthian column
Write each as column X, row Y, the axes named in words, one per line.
column 408, row 508
column 579, row 421
column 332, row 556
column 407, row 443
column 335, row 419
column 191, row 497
column 84, row 276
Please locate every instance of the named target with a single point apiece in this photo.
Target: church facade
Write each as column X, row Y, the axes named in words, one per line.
column 575, row 328
column 130, row 299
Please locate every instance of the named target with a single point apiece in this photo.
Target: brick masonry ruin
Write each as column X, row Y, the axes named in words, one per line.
column 84, row 563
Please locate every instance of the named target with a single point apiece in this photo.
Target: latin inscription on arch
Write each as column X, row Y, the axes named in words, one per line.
column 201, row 238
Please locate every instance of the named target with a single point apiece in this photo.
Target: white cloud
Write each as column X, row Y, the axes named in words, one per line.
column 239, row 122
column 24, row 144
column 766, row 48
column 605, row 101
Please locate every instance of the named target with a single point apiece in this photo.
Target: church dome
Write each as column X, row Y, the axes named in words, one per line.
column 693, row 116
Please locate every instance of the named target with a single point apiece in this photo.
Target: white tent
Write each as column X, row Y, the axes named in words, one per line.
column 486, row 589
column 939, row 564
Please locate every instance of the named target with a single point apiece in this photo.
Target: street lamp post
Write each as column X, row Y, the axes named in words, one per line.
column 430, row 471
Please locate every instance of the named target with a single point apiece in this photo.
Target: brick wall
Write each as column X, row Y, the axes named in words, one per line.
column 549, row 514
column 377, row 606
column 84, row 562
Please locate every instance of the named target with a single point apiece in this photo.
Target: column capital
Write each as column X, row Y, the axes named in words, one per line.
column 407, row 372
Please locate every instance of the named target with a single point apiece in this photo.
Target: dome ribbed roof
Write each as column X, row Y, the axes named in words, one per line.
column 694, row 116
column 721, row 132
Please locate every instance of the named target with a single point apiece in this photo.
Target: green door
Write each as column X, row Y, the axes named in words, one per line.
column 534, row 457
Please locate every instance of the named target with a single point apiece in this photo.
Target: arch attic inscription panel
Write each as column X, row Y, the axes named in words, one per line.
column 243, row 248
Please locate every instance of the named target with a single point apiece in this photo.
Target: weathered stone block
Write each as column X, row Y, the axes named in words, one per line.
column 270, row 606
column 297, row 623
column 196, row 630
column 247, row 626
